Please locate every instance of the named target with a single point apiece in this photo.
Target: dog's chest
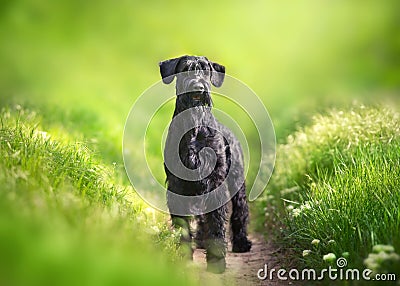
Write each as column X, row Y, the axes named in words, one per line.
column 199, row 146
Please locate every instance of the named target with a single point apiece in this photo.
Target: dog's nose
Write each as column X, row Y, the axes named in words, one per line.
column 198, row 87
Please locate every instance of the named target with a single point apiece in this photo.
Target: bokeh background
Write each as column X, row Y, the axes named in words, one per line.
column 81, row 64
column 90, row 60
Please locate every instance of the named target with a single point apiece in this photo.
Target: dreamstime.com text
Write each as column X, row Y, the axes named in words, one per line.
column 330, row 273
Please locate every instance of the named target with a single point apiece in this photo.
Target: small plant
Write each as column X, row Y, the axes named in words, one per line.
column 330, row 257
column 383, row 259
column 315, row 242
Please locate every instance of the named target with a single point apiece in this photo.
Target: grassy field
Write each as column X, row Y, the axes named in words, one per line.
column 71, row 70
column 66, row 220
column 335, row 189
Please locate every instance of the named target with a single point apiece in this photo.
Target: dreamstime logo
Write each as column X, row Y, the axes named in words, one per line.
column 329, row 273
column 236, row 107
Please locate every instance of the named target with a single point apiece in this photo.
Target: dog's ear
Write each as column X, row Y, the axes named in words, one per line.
column 218, row 74
column 168, row 69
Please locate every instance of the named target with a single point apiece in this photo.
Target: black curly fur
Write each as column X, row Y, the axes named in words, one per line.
column 194, row 92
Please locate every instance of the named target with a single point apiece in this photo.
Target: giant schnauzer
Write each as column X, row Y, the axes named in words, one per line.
column 195, row 75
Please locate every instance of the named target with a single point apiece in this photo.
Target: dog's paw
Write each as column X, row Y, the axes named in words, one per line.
column 241, row 245
column 216, row 265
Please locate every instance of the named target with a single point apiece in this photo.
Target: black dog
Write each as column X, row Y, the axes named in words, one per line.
column 198, row 130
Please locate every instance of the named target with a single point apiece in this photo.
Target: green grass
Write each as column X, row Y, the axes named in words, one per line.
column 65, row 220
column 337, row 181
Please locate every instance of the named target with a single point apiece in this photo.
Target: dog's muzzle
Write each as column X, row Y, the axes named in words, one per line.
column 195, row 89
column 196, row 85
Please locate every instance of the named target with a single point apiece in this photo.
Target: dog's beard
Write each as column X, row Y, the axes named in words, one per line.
column 199, row 99
column 193, row 100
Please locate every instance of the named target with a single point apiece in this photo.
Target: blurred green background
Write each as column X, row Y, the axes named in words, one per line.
column 82, row 64
column 89, row 60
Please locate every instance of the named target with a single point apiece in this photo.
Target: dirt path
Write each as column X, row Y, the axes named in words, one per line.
column 242, row 268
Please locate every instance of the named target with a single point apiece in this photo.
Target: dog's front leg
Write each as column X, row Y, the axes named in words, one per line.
column 239, row 221
column 215, row 240
column 200, row 232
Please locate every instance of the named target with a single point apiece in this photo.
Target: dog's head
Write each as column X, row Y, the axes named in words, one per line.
column 194, row 77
